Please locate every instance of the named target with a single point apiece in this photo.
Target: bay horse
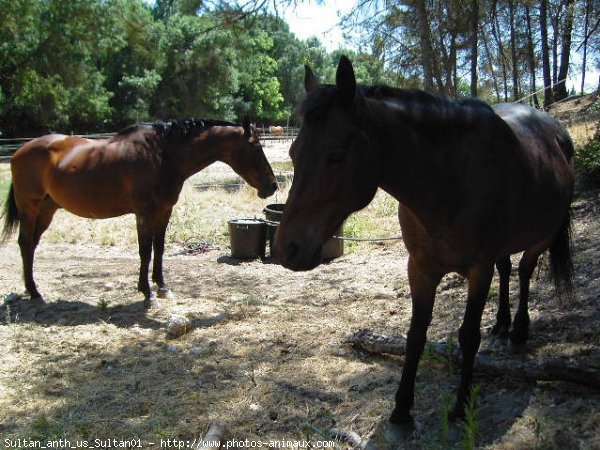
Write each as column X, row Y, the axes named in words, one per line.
column 141, row 170
column 475, row 184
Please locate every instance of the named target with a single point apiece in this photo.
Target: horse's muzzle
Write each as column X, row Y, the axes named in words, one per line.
column 295, row 257
column 268, row 190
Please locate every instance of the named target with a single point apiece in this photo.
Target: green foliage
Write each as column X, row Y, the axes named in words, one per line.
column 87, row 65
column 259, row 87
column 43, row 429
column 588, row 158
column 469, row 426
column 445, row 438
column 443, row 435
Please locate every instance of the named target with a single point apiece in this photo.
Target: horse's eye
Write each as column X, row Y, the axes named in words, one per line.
column 337, row 157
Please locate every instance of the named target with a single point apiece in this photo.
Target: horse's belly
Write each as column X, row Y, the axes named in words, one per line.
column 96, row 211
column 92, row 200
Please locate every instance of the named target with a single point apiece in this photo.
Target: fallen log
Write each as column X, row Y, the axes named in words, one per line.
column 547, row 369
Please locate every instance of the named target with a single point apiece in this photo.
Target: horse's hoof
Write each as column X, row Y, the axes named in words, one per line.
column 396, row 434
column 499, row 334
column 165, row 293
column 517, row 348
column 151, row 302
column 497, row 341
column 37, row 300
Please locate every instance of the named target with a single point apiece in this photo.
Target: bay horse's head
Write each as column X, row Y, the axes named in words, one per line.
column 249, row 161
column 336, row 171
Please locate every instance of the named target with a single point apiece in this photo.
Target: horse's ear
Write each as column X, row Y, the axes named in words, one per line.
column 247, row 127
column 345, row 79
column 310, row 81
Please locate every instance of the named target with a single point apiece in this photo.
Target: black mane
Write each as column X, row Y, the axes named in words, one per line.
column 176, row 129
column 411, row 104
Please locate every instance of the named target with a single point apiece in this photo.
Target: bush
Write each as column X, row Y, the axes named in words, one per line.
column 588, row 159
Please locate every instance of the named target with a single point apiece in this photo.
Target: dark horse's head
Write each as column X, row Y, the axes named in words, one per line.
column 249, row 161
column 336, row 171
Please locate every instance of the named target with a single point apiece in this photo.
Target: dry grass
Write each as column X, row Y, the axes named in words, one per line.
column 582, row 132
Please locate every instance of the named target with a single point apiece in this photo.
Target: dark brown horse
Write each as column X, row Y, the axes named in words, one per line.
column 475, row 185
column 141, row 170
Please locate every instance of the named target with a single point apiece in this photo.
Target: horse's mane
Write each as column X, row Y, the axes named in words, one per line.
column 411, row 104
column 176, row 129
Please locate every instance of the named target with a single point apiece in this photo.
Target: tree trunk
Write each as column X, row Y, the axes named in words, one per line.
column 545, row 53
column 560, row 90
column 555, row 22
column 586, row 27
column 474, row 43
column 502, row 56
column 425, row 44
column 488, row 55
column 513, row 51
column 531, row 57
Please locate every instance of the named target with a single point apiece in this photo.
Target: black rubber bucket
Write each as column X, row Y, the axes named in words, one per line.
column 273, row 213
column 332, row 248
column 247, row 238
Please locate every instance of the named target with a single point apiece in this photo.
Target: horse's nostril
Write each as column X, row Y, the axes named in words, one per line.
column 275, row 186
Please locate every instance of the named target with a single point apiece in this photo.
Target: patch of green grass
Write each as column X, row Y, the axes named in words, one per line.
column 103, row 304
column 587, row 159
column 5, row 179
column 43, row 429
column 378, row 220
column 282, row 166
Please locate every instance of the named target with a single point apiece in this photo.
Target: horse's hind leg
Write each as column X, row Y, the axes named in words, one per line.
column 158, row 243
column 47, row 209
column 502, row 327
column 27, row 244
column 520, row 328
column 34, row 220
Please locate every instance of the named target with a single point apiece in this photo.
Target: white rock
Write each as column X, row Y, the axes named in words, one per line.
column 178, row 325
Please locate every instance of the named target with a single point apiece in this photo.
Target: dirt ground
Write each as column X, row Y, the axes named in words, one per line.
column 266, row 352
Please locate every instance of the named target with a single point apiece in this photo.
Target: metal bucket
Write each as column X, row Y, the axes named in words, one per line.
column 247, row 238
column 332, row 248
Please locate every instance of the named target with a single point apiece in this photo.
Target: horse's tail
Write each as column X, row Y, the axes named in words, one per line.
column 561, row 263
column 11, row 216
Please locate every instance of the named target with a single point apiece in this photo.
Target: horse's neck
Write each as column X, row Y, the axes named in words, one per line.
column 418, row 162
column 211, row 145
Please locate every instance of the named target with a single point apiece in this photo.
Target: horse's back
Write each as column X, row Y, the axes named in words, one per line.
column 536, row 127
column 46, row 150
column 80, row 175
column 546, row 152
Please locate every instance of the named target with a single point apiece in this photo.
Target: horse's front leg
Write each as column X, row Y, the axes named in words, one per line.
column 469, row 334
column 158, row 242
column 422, row 287
column 144, row 231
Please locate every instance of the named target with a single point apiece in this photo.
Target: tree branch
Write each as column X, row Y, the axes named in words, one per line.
column 549, row 369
